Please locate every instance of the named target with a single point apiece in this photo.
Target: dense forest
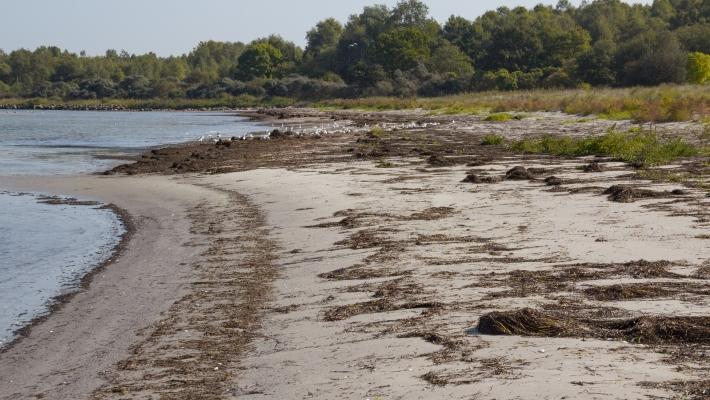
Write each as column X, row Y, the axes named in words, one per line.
column 399, row 51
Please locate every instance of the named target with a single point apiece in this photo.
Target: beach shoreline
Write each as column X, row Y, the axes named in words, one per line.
column 158, row 211
column 57, row 302
column 315, row 249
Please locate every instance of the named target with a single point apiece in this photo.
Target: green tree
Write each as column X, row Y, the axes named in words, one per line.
column 520, row 39
column 325, row 35
column 68, row 69
column 213, row 59
column 447, row 58
column 259, row 61
column 320, row 55
column 597, row 66
column 460, row 32
column 695, row 37
column 101, row 88
column 653, row 58
column 403, row 49
column 399, row 50
column 136, row 87
column 699, row 68
column 5, row 69
column 663, row 9
column 357, row 45
column 410, row 13
column 5, row 90
column 690, row 12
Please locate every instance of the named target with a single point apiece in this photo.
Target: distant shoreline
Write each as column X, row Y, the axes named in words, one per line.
column 155, row 104
column 658, row 104
column 107, row 107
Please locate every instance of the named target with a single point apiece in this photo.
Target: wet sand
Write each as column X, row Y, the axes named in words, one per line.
column 69, row 354
column 308, row 268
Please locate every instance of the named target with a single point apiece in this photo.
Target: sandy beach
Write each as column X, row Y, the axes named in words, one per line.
column 410, row 264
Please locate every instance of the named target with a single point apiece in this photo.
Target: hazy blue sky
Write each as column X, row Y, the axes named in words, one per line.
column 175, row 26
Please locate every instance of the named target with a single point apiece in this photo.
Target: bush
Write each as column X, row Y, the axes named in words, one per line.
column 698, row 68
column 5, row 90
column 558, row 79
column 529, row 80
column 446, row 84
column 206, row 91
column 302, row 87
column 499, row 117
column 492, row 140
column 136, row 87
column 102, row 88
column 642, row 147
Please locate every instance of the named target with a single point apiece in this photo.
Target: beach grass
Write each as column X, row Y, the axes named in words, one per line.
column 640, row 147
column 666, row 103
column 492, row 140
column 499, row 117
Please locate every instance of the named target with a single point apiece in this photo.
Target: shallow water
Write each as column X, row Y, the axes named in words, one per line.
column 46, row 249
column 70, row 142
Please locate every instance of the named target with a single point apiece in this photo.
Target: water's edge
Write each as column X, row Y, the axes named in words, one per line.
column 142, row 133
column 56, row 302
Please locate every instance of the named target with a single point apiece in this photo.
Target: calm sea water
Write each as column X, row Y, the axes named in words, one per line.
column 45, row 249
column 68, row 142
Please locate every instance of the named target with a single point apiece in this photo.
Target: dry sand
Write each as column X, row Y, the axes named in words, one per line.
column 492, row 229
column 333, row 278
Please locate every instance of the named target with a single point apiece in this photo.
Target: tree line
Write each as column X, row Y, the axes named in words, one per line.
column 399, row 51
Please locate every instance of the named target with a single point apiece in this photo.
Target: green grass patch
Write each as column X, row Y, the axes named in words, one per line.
column 492, row 140
column 645, row 148
column 499, row 117
column 654, row 104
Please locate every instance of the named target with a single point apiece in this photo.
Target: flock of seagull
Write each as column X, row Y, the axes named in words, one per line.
column 322, row 130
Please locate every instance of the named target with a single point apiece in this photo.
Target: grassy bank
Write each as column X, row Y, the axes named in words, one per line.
column 147, row 104
column 656, row 104
column 639, row 147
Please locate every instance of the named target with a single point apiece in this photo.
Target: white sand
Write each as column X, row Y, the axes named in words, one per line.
column 300, row 355
column 303, row 356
